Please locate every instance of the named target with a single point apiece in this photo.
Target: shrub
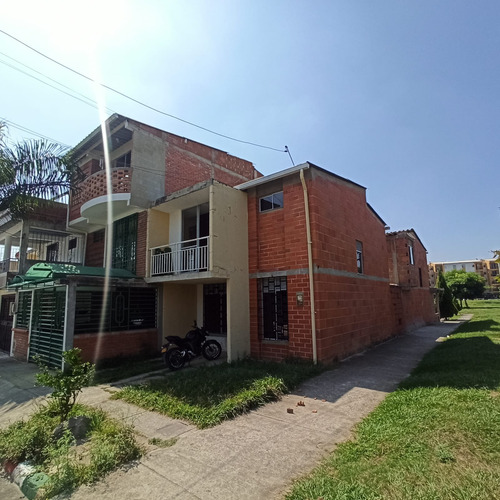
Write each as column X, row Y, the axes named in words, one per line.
column 67, row 383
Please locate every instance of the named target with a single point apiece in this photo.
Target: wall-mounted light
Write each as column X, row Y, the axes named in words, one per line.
column 300, row 298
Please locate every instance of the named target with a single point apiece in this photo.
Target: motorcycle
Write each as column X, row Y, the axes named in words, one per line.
column 178, row 350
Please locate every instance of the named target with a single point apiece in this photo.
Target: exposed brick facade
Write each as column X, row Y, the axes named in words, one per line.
column 353, row 310
column 116, row 344
column 188, row 163
column 94, row 251
column 411, row 296
column 20, row 343
column 95, row 185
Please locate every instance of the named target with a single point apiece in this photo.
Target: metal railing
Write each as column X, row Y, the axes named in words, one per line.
column 180, row 257
column 9, row 266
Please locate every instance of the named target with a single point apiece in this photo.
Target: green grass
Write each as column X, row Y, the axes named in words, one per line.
column 208, row 395
column 436, row 437
column 110, row 444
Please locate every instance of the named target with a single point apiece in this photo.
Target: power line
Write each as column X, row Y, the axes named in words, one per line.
column 137, row 101
column 24, row 129
column 85, row 100
column 74, row 94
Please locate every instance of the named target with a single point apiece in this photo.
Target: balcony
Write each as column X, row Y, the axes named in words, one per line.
column 91, row 199
column 182, row 257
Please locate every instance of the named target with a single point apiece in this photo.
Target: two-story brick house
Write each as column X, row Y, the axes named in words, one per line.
column 319, row 280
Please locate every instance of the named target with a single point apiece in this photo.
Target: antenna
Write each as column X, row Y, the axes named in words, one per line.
column 289, row 154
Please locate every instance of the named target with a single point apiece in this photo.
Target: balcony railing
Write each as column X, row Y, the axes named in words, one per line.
column 9, row 266
column 182, row 257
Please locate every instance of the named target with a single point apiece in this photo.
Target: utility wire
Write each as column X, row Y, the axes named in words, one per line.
column 24, row 129
column 137, row 101
column 87, row 100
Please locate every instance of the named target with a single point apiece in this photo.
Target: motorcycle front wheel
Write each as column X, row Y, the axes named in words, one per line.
column 211, row 350
column 175, row 359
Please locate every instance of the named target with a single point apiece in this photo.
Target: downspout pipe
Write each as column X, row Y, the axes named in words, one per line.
column 310, row 263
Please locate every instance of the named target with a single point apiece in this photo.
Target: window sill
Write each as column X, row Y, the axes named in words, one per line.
column 275, row 342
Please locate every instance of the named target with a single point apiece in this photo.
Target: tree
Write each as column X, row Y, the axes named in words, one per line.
column 32, row 171
column 465, row 285
column 446, row 306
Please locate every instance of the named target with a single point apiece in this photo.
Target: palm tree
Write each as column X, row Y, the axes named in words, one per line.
column 34, row 170
column 33, row 173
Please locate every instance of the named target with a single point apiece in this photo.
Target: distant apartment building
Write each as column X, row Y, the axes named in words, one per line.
column 487, row 268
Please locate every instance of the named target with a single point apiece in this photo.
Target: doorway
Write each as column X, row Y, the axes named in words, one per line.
column 6, row 317
column 215, row 308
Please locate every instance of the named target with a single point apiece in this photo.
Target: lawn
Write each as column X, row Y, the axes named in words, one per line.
column 208, row 395
column 436, row 437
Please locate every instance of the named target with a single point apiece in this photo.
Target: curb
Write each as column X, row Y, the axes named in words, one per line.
column 25, row 476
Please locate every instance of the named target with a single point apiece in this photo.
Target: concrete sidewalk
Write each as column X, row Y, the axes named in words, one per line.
column 259, row 454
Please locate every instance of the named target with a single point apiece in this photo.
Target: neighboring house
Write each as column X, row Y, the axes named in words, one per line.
column 487, row 268
column 293, row 264
column 171, row 221
column 410, row 287
column 41, row 237
column 319, row 280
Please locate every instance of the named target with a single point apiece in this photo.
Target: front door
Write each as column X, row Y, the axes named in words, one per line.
column 215, row 308
column 6, row 317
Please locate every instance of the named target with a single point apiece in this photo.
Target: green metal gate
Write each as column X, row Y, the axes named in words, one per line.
column 47, row 326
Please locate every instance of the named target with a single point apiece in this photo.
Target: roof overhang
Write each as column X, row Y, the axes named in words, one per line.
column 45, row 273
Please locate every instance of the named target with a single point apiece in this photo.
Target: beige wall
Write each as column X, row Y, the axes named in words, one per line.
column 158, row 231
column 179, row 308
column 229, row 258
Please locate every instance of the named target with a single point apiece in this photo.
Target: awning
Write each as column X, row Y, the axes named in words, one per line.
column 48, row 272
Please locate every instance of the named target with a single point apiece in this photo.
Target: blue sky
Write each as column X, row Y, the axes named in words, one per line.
column 402, row 97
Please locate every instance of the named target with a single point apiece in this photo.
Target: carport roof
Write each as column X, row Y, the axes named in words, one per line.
column 45, row 272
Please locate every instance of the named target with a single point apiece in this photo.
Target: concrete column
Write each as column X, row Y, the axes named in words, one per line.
column 7, row 246
column 23, row 247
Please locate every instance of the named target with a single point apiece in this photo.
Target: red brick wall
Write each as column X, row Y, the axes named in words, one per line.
column 414, row 307
column 94, row 251
column 188, row 163
column 21, row 344
column 114, row 344
column 406, row 274
column 352, row 311
column 95, row 185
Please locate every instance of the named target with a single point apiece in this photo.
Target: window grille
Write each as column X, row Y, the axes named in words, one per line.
column 126, row 309
column 273, row 308
column 125, row 243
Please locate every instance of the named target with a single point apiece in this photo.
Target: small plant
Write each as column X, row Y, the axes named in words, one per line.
column 67, row 383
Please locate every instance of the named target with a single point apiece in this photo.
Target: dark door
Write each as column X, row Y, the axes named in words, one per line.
column 215, row 308
column 6, row 316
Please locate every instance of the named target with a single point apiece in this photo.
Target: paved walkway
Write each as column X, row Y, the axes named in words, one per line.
column 256, row 455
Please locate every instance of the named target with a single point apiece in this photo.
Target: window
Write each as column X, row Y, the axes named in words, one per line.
column 125, row 243
column 359, row 256
column 271, row 202
column 124, row 309
column 52, row 252
column 410, row 254
column 124, row 161
column 273, row 308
